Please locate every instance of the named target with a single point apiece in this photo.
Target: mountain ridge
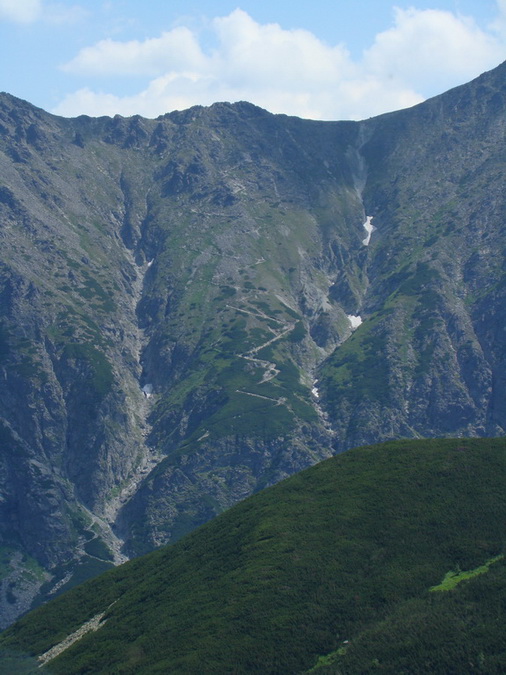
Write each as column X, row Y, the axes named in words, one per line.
column 181, row 304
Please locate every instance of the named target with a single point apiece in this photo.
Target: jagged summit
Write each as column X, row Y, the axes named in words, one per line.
column 192, row 309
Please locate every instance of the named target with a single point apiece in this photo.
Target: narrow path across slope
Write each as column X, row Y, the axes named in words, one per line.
column 270, row 369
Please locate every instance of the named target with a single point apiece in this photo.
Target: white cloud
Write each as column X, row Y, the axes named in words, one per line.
column 258, row 54
column 28, row 11
column 432, row 48
column 289, row 71
column 159, row 97
column 178, row 48
column 20, row 11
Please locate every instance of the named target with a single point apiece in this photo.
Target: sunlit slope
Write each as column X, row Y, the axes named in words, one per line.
column 192, row 310
column 341, row 568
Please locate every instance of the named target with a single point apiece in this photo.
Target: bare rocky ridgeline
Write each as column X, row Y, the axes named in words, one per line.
column 192, row 309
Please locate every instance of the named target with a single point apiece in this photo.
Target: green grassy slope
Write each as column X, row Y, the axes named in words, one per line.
column 335, row 570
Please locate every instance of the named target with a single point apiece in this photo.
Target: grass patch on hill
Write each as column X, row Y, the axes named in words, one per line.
column 454, row 577
column 358, row 370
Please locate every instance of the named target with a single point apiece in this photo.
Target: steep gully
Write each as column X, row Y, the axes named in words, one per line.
column 145, row 396
column 358, row 165
column 144, row 400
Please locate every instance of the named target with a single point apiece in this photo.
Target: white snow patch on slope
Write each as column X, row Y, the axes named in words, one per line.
column 147, row 390
column 355, row 321
column 369, row 227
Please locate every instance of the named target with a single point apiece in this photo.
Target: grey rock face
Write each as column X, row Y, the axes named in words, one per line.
column 191, row 309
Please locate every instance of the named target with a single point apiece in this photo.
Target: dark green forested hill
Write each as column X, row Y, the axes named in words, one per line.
column 386, row 559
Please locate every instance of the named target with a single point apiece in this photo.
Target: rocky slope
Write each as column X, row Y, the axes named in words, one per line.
column 192, row 309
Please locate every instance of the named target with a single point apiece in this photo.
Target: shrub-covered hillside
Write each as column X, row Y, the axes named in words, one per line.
column 386, row 559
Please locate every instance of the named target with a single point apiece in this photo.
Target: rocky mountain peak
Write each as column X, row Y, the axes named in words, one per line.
column 197, row 306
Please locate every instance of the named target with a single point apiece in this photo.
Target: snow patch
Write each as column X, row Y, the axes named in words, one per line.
column 315, row 391
column 355, row 321
column 147, row 390
column 151, row 262
column 368, row 227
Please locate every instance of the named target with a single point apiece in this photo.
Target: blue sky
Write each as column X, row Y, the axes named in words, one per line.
column 323, row 59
